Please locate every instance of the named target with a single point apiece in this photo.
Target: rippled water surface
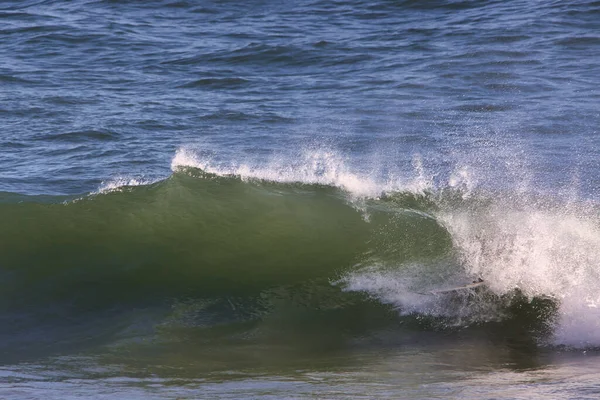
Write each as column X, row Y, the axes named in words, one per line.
column 204, row 199
column 97, row 89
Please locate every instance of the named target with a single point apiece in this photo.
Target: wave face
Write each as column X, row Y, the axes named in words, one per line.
column 266, row 253
column 536, row 250
column 187, row 234
column 217, row 198
column 195, row 247
column 492, row 220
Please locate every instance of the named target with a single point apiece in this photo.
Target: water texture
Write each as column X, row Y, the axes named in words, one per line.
column 222, row 199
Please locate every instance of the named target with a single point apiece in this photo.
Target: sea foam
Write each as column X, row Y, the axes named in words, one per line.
column 309, row 166
column 513, row 239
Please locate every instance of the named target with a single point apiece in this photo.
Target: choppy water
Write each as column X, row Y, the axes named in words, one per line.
column 256, row 199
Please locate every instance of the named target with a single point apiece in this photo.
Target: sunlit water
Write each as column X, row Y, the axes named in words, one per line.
column 205, row 199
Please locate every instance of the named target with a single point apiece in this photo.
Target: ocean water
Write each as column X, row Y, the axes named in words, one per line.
column 268, row 199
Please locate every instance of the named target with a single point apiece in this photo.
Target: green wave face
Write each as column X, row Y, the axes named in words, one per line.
column 205, row 259
column 196, row 234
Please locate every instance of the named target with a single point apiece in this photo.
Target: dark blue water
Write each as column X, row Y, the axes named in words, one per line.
column 336, row 132
column 92, row 90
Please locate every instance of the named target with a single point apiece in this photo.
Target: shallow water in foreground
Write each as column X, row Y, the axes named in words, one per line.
column 471, row 370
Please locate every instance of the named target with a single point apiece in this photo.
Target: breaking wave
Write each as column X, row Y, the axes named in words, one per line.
column 220, row 243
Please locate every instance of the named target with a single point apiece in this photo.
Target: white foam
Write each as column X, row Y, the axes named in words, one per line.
column 508, row 239
column 310, row 166
column 579, row 321
column 552, row 252
column 463, row 180
column 411, row 290
column 120, row 182
column 542, row 252
column 405, row 288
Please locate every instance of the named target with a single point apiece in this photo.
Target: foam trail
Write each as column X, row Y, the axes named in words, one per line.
column 311, row 166
column 512, row 239
column 544, row 249
column 120, row 182
column 549, row 252
column 552, row 252
column 409, row 288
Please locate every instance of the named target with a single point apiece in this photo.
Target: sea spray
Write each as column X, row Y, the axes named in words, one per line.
column 213, row 230
column 311, row 166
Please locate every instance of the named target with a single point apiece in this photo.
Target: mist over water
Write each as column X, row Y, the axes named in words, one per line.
column 254, row 199
column 516, row 238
